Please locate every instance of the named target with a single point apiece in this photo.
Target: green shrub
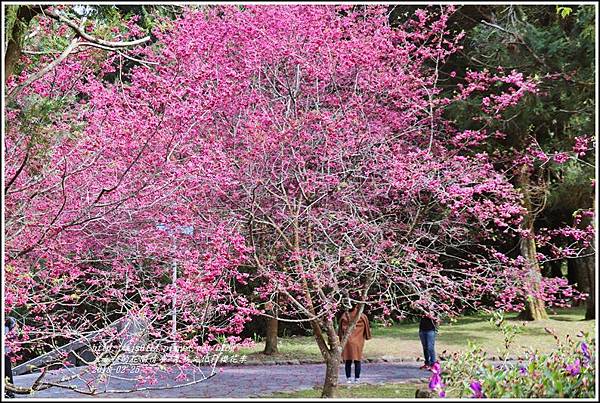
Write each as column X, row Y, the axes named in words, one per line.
column 566, row 372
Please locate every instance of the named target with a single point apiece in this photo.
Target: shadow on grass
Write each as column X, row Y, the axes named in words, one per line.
column 547, row 322
column 534, row 331
column 448, row 336
column 567, row 319
column 414, row 327
column 460, row 337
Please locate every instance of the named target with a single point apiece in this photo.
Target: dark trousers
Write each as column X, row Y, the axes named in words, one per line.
column 428, row 341
column 8, row 373
column 349, row 369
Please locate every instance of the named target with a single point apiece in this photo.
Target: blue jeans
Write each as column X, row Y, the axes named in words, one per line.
column 428, row 342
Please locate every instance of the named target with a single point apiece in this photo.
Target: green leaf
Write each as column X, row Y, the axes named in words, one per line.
column 563, row 11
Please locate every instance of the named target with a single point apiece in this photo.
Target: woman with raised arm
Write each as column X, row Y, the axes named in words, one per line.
column 353, row 349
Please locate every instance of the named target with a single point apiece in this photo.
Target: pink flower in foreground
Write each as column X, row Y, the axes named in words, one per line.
column 575, row 368
column 435, row 383
column 476, row 388
column 586, row 352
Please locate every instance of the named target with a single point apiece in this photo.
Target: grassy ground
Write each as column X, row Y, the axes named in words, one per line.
column 391, row 390
column 402, row 341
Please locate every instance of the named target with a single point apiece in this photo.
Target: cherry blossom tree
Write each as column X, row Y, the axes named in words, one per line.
column 497, row 97
column 308, row 141
column 324, row 131
column 98, row 238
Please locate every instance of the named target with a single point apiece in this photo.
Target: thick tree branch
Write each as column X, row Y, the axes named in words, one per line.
column 15, row 90
column 80, row 32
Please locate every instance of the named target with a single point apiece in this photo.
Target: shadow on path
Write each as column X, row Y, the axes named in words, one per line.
column 244, row 381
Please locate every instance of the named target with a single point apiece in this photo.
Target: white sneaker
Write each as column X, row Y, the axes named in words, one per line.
column 348, row 380
column 356, row 380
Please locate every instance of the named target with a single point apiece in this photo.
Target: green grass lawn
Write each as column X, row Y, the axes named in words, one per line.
column 403, row 341
column 390, row 390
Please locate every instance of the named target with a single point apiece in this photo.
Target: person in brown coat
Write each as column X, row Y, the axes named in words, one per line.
column 354, row 346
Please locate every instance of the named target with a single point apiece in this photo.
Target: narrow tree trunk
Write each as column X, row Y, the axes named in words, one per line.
column 590, row 271
column 271, row 337
column 555, row 268
column 272, row 329
column 332, row 371
column 582, row 273
column 590, row 307
column 572, row 274
column 534, row 307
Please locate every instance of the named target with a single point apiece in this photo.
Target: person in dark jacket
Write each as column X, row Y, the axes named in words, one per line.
column 9, row 325
column 427, row 333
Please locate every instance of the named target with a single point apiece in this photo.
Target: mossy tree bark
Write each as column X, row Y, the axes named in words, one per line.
column 19, row 22
column 534, row 307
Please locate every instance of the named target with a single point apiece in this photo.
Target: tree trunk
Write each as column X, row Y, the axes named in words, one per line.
column 272, row 329
column 555, row 268
column 578, row 275
column 332, row 355
column 271, row 337
column 582, row 272
column 14, row 45
column 534, row 307
column 590, row 302
column 534, row 310
column 590, row 312
column 572, row 273
column 332, row 371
